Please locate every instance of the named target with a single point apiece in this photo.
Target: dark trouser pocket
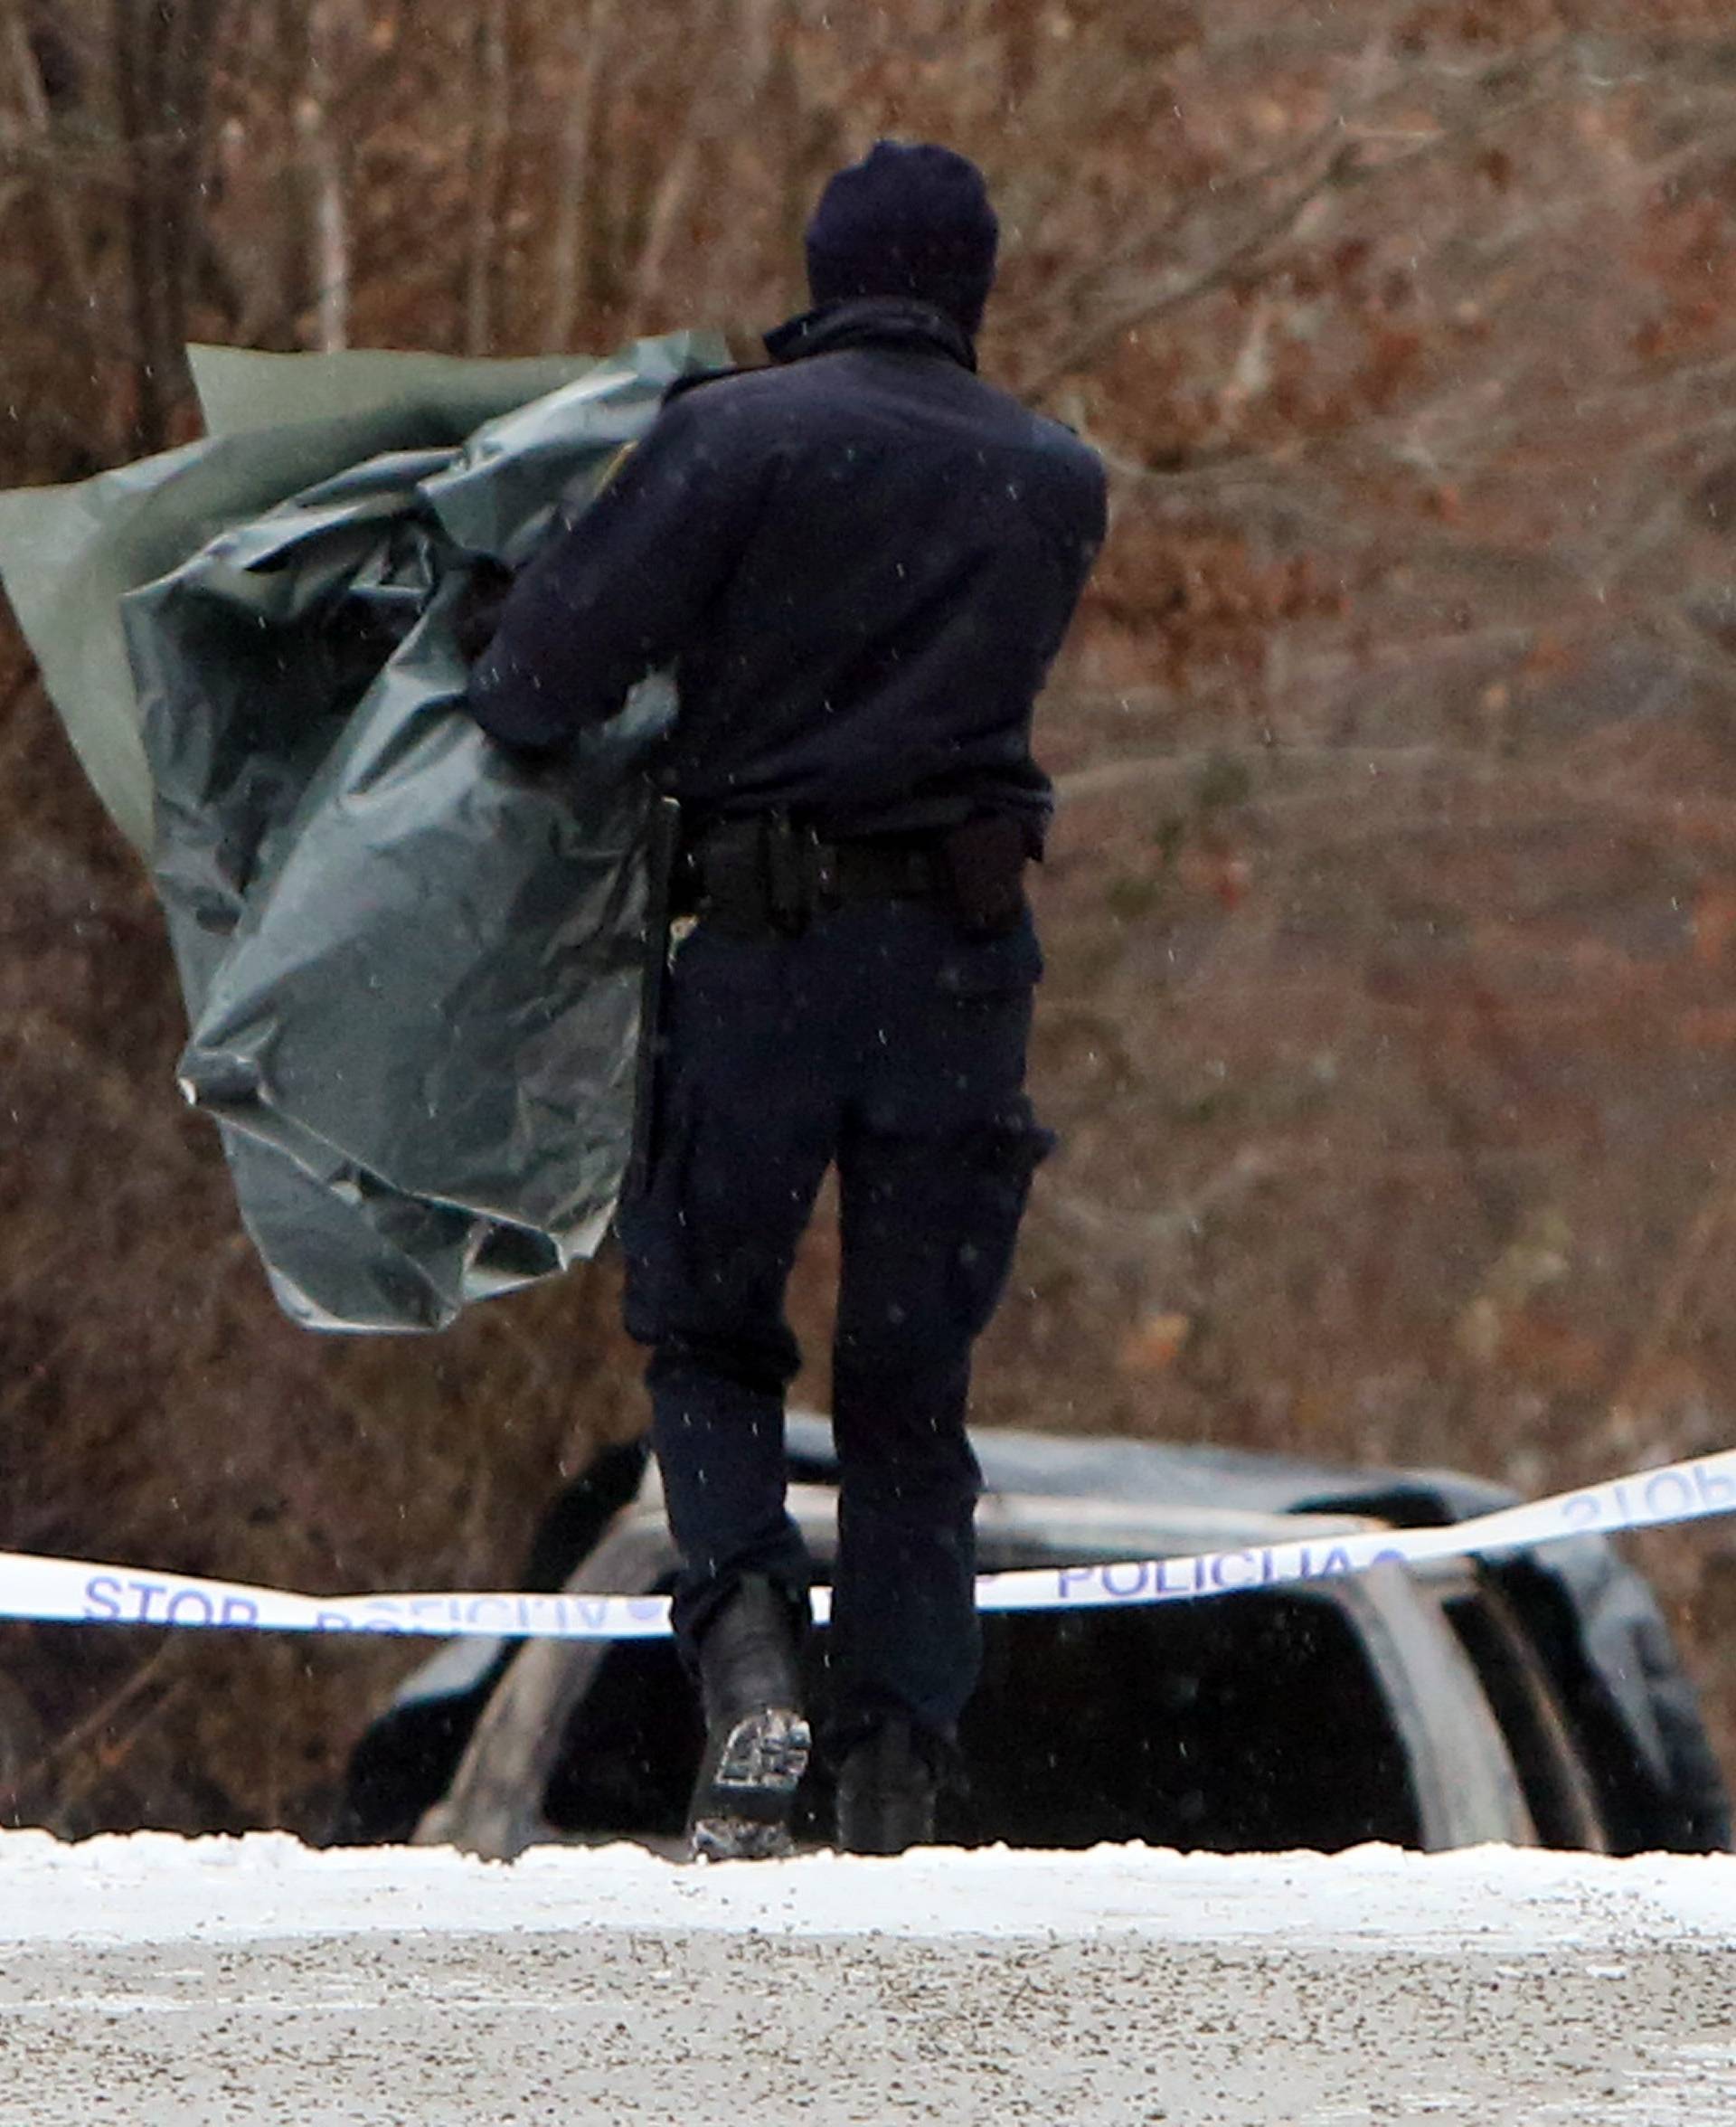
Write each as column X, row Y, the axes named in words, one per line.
column 996, row 1164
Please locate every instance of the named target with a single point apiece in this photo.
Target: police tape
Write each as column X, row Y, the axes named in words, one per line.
column 75, row 1590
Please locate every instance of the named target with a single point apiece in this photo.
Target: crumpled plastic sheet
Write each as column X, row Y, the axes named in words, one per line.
column 412, row 964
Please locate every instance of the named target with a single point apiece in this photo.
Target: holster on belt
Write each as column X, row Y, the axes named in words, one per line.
column 985, row 859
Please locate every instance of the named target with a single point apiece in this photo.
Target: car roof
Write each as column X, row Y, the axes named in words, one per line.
column 1078, row 1465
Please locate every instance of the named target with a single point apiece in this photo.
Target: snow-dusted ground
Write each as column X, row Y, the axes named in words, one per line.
column 152, row 1979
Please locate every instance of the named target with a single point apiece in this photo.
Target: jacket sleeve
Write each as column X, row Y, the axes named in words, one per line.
column 621, row 592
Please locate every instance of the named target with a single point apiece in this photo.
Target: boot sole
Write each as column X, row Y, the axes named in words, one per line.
column 744, row 1813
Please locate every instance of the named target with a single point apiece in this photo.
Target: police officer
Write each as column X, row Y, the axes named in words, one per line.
column 859, row 563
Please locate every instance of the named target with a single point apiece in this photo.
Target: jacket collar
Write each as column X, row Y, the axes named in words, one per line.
column 872, row 321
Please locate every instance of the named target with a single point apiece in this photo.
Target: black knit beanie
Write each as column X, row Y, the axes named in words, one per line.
column 911, row 222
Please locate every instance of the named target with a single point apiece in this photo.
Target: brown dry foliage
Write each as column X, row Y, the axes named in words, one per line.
column 1391, row 914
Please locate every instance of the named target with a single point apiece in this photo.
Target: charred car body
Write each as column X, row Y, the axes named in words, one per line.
column 1533, row 1696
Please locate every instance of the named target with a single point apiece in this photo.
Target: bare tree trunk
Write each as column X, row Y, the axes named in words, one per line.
column 17, row 55
column 162, row 55
column 489, row 138
column 680, row 172
column 571, row 249
column 263, row 240
column 722, row 92
column 323, row 154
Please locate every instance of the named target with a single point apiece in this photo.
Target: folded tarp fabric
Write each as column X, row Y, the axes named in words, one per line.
column 410, row 963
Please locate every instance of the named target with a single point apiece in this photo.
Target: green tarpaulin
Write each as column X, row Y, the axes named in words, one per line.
column 411, row 965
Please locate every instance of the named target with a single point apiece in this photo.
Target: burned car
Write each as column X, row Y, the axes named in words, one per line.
column 1532, row 1695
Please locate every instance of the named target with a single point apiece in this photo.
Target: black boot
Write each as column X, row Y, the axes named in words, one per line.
column 756, row 1737
column 886, row 1792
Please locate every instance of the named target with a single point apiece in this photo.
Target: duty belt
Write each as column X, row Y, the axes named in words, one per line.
column 770, row 873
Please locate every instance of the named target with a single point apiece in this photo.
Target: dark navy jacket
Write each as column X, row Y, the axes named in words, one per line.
column 858, row 563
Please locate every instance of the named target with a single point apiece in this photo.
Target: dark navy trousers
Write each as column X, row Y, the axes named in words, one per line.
column 885, row 1040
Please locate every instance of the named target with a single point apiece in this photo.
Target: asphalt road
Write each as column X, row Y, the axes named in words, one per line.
column 709, row 2029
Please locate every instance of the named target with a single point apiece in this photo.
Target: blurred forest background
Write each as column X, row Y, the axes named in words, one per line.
column 1391, row 916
